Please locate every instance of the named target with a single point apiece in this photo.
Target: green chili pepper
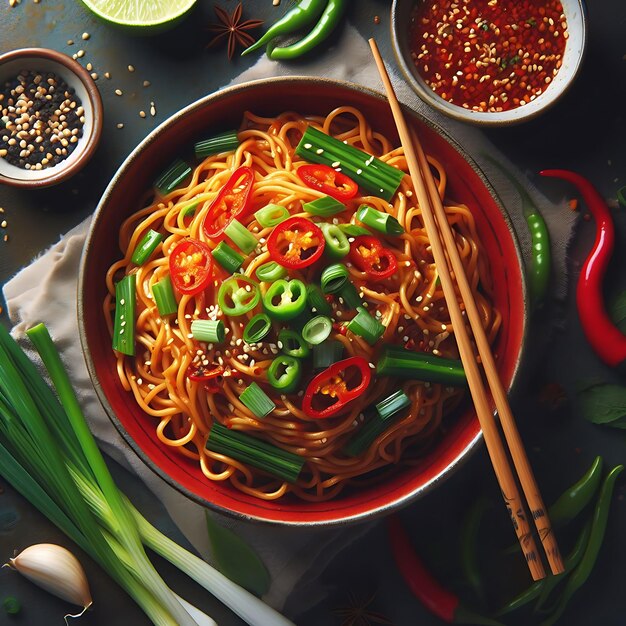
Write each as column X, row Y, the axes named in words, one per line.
column 329, row 19
column 238, row 295
column 284, row 373
column 292, row 344
column 301, row 15
column 598, row 527
column 285, row 299
column 337, row 244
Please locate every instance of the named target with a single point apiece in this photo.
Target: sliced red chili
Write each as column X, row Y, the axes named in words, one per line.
column 331, row 390
column 232, row 201
column 296, row 243
column 369, row 255
column 191, row 266
column 212, row 376
column 328, row 180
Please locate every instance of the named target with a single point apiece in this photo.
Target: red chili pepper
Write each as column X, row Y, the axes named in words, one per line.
column 369, row 255
column 424, row 586
column 296, row 243
column 210, row 375
column 328, row 180
column 190, row 266
column 332, row 389
column 605, row 338
column 232, row 201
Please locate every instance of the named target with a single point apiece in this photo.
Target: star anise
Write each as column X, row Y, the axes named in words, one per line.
column 232, row 27
column 357, row 613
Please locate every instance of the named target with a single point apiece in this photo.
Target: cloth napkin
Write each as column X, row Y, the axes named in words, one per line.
column 45, row 291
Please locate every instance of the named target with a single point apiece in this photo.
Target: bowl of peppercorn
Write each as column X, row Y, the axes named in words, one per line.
column 489, row 62
column 50, row 117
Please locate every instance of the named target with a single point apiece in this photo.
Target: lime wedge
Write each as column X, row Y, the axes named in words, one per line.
column 141, row 14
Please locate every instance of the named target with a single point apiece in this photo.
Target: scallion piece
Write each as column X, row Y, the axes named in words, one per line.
column 209, row 331
column 164, row 297
column 241, row 236
column 124, row 322
column 257, row 400
column 228, row 258
column 291, row 343
column 173, row 176
column 190, row 209
column 382, row 222
column 402, row 363
column 374, row 175
column 255, row 452
column 257, row 328
column 316, row 330
column 325, row 206
column 316, row 300
column 350, row 296
column 334, row 277
column 327, row 353
column 352, row 230
column 337, row 244
column 146, row 247
column 224, row 142
column 366, row 326
column 271, row 215
column 270, row 271
column 397, row 401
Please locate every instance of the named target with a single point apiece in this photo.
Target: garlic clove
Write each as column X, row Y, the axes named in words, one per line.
column 55, row 569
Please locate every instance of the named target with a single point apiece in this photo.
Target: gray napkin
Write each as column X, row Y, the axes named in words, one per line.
column 46, row 290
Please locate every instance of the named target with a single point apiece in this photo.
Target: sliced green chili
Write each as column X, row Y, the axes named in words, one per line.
column 334, row 277
column 124, row 321
column 317, row 330
column 228, row 258
column 270, row 271
column 146, row 247
column 224, row 142
column 164, row 297
column 382, row 222
column 337, row 244
column 173, row 176
column 241, row 236
column 366, row 326
column 325, row 206
column 292, row 344
column 257, row 400
column 285, row 299
column 284, row 373
column 271, row 215
column 316, row 301
column 257, row 328
column 238, row 295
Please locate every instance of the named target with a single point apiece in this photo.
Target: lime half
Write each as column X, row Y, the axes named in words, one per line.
column 141, row 14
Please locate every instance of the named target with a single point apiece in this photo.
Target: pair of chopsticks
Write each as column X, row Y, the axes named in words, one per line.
column 444, row 249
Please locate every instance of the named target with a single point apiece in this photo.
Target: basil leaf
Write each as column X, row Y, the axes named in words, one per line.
column 236, row 559
column 604, row 404
column 617, row 311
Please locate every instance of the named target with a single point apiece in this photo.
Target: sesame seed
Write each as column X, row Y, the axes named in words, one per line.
column 131, row 68
column 85, row 36
column 118, row 92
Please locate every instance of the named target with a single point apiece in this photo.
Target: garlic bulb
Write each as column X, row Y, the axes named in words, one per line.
column 56, row 570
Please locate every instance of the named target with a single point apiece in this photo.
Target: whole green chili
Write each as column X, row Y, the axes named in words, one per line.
column 329, row 19
column 301, row 15
column 598, row 528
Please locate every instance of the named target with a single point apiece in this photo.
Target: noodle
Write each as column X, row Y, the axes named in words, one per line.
column 410, row 304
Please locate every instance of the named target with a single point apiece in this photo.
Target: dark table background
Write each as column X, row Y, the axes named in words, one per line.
column 585, row 132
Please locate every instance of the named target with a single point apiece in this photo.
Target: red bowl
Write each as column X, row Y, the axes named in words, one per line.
column 224, row 110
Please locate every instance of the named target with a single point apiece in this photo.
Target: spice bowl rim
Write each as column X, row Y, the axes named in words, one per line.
column 77, row 77
column 575, row 51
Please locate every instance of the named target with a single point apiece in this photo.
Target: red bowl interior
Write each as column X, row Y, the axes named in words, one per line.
column 224, row 110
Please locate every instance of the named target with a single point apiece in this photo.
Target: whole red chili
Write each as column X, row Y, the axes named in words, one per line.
column 369, row 255
column 605, row 338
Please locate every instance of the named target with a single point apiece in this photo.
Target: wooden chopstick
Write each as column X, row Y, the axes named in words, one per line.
column 444, row 249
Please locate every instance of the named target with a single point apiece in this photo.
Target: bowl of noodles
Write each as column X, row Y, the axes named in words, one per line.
column 261, row 315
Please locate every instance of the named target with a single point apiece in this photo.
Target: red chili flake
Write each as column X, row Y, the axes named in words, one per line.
column 573, row 204
column 488, row 55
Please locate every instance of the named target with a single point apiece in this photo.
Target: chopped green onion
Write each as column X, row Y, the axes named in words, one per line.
column 255, row 452
column 124, row 322
column 325, row 206
column 270, row 271
column 271, row 215
column 209, row 331
column 257, row 328
column 334, row 277
column 190, row 209
column 241, row 236
column 327, row 353
column 352, row 230
column 374, row 175
column 621, row 197
column 382, row 222
column 224, row 142
column 366, row 326
column 172, row 177
column 228, row 258
column 402, row 363
column 257, row 400
column 164, row 297
column 291, row 343
column 316, row 330
column 146, row 247
column 316, row 300
column 337, row 244
column 11, row 605
column 350, row 296
column 284, row 373
column 397, row 401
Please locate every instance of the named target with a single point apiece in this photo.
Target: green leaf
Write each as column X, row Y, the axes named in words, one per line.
column 236, row 559
column 604, row 404
column 617, row 311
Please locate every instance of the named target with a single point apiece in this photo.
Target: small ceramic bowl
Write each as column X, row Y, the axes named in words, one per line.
column 76, row 77
column 575, row 15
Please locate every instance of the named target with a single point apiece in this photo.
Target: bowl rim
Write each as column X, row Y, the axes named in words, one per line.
column 485, row 119
column 99, row 214
column 61, row 173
